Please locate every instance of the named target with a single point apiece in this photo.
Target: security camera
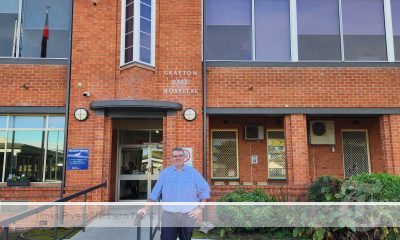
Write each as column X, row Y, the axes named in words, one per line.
column 86, row 94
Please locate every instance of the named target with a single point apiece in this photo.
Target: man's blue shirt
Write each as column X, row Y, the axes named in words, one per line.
column 186, row 185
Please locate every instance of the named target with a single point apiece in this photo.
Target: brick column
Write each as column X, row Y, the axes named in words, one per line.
column 390, row 138
column 169, row 137
column 296, row 149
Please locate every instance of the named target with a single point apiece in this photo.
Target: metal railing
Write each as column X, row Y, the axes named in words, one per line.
column 153, row 230
column 59, row 211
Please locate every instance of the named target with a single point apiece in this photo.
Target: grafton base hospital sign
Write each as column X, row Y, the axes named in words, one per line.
column 180, row 83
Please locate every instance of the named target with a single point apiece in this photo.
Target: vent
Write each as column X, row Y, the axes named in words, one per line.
column 322, row 132
column 254, row 132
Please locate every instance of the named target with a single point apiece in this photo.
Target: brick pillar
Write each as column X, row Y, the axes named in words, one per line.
column 296, row 149
column 169, row 138
column 390, row 138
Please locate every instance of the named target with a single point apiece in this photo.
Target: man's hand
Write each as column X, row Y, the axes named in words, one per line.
column 195, row 212
column 142, row 211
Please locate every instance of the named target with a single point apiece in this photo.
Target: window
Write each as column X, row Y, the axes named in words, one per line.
column 396, row 27
column 23, row 23
column 355, row 152
column 302, row 30
column 224, row 154
column 318, row 40
column 276, row 154
column 364, row 30
column 138, row 30
column 33, row 145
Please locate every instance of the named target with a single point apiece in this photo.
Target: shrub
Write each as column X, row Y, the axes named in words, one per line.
column 379, row 187
column 324, row 189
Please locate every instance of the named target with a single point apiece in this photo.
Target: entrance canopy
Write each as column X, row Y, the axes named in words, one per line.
column 135, row 108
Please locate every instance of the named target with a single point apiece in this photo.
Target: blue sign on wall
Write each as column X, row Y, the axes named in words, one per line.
column 78, row 159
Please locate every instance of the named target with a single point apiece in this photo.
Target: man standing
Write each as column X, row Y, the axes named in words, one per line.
column 179, row 183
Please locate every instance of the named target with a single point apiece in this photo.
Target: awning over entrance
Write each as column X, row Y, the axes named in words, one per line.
column 135, row 108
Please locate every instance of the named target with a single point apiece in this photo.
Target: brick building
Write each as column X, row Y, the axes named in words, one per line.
column 289, row 90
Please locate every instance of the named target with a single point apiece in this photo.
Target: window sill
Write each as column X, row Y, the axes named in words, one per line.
column 35, row 185
column 137, row 65
column 212, row 63
column 38, row 61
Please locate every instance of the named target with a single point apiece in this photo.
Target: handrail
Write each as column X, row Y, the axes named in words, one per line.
column 8, row 221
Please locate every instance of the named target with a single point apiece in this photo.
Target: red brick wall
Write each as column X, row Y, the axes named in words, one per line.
column 303, row 87
column 137, row 83
column 45, row 85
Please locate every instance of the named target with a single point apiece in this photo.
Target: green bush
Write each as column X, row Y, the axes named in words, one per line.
column 379, row 187
column 324, row 189
column 244, row 217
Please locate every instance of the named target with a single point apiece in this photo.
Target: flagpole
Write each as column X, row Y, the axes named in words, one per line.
column 15, row 37
column 45, row 35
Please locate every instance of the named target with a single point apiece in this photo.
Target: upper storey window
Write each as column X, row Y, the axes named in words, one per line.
column 303, row 30
column 34, row 28
column 138, row 30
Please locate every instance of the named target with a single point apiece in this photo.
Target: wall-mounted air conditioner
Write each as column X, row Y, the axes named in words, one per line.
column 322, row 132
column 254, row 132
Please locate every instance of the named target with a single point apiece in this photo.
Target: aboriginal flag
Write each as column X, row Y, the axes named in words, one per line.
column 45, row 36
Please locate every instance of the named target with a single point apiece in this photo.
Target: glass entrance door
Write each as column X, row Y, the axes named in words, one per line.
column 139, row 169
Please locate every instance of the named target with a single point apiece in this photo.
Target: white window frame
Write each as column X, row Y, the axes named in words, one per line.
column 136, row 34
column 46, row 131
column 294, row 35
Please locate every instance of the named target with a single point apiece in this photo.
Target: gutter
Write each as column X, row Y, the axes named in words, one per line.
column 204, row 92
column 67, row 101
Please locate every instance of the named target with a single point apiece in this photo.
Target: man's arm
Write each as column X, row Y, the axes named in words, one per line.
column 155, row 194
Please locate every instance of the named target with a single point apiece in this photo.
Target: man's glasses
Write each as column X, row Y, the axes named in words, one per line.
column 179, row 156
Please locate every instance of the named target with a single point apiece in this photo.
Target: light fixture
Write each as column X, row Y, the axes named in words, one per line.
column 157, row 131
column 189, row 114
column 81, row 114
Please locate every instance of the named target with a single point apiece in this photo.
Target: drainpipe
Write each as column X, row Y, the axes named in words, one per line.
column 67, row 100
column 204, row 92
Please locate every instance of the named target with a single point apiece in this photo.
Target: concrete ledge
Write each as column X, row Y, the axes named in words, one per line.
column 262, row 183
column 219, row 183
column 234, row 183
column 247, row 183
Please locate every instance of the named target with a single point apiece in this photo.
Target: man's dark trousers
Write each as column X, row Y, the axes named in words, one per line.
column 176, row 224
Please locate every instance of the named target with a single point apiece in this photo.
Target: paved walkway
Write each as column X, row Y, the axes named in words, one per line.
column 113, row 227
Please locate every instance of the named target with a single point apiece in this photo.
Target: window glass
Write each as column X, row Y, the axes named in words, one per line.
column 33, row 22
column 156, row 136
column 135, row 137
column 229, row 30
column 364, row 30
column 318, row 30
column 276, row 154
column 27, row 122
column 2, row 151
column 3, row 121
column 272, row 26
column 8, row 21
column 56, row 122
column 129, row 10
column 224, row 154
column 396, row 27
column 55, row 156
column 27, row 148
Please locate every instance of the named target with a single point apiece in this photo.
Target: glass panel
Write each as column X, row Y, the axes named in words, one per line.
column 145, row 25
column 128, row 54
column 148, row 2
column 224, row 154
column 318, row 30
column 129, row 11
column 55, row 156
column 396, row 27
column 364, row 30
column 129, row 40
column 272, row 20
column 145, row 11
column 56, row 122
column 276, row 155
column 135, row 137
column 8, row 21
column 27, row 152
column 156, row 136
column 3, row 121
column 145, row 40
column 133, row 190
column 27, row 122
column 229, row 30
column 2, row 152
column 145, row 55
column 131, row 160
column 156, row 160
column 129, row 25
column 33, row 22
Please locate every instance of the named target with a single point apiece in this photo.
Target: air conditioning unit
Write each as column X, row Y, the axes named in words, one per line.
column 254, row 132
column 322, row 132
